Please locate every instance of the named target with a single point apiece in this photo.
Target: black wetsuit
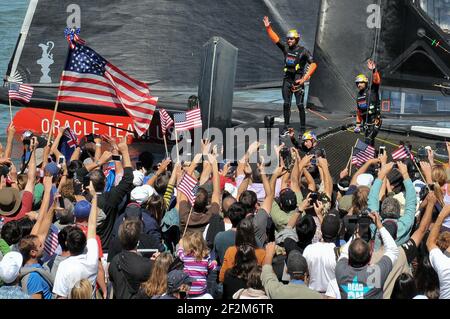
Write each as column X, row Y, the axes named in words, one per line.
column 296, row 60
column 369, row 111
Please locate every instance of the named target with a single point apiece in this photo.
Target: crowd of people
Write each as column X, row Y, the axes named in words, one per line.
column 94, row 227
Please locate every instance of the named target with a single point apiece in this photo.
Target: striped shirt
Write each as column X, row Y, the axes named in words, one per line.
column 197, row 270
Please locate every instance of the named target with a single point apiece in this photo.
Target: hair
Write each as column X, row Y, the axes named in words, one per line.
column 344, row 182
column 254, row 278
column 404, row 288
column 156, row 207
column 193, row 102
column 236, row 213
column 76, row 241
column 306, row 229
column 245, row 233
column 161, row 183
column 65, row 216
column 98, row 180
column 146, row 158
column 443, row 241
column 67, row 191
column 359, row 253
column 426, row 278
column 22, row 180
column 195, row 245
column 227, row 201
column 390, row 208
column 201, row 201
column 256, row 174
column 26, row 226
column 81, row 290
column 26, row 245
column 129, row 233
column 62, row 237
column 244, row 261
column 249, row 200
column 11, row 232
column 359, row 199
column 439, row 177
column 156, row 285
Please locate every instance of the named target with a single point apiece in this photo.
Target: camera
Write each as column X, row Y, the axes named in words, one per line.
column 26, row 137
column 314, row 196
column 4, row 170
column 118, row 158
column 363, row 224
column 320, row 153
column 422, row 154
column 61, row 160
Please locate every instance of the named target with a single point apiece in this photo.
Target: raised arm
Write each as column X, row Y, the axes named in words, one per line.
column 44, row 220
column 54, row 148
column 268, row 200
column 434, row 234
column 9, row 140
column 215, row 179
column 272, row 35
column 328, row 180
column 407, row 220
column 161, row 170
column 373, row 199
column 98, row 148
column 391, row 249
column 420, row 232
column 92, row 221
column 363, row 169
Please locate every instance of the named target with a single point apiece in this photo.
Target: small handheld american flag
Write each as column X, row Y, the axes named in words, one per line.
column 186, row 121
column 20, row 92
column 362, row 153
column 189, row 187
column 166, row 120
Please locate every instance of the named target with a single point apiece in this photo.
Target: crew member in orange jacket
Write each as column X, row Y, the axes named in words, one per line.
column 298, row 69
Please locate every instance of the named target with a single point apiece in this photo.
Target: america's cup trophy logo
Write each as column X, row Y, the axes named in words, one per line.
column 45, row 61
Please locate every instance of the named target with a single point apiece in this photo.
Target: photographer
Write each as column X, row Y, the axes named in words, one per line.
column 355, row 278
column 390, row 207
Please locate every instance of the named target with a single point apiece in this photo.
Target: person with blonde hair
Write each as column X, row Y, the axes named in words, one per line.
column 81, row 290
column 156, row 285
column 194, row 253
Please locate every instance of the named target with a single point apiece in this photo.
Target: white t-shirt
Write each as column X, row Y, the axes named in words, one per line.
column 321, row 261
column 333, row 290
column 75, row 268
column 258, row 188
column 441, row 264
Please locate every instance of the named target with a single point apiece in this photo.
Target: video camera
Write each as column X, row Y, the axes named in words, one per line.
column 362, row 222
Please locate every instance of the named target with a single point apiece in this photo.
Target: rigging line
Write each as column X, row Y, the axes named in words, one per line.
column 94, row 121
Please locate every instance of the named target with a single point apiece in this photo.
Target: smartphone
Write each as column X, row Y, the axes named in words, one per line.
column 382, row 150
column 61, row 202
column 86, row 181
column 234, row 164
column 61, row 160
column 314, row 161
column 117, row 158
column 77, row 190
column 147, row 253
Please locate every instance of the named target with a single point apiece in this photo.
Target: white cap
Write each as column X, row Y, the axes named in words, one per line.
column 142, row 193
column 10, row 266
column 364, row 180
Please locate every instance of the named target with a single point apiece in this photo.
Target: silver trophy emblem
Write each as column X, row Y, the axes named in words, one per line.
column 45, row 61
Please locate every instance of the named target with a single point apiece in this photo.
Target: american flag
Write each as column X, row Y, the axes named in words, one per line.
column 400, row 154
column 166, row 120
column 89, row 78
column 51, row 242
column 20, row 92
column 189, row 187
column 362, row 153
column 188, row 120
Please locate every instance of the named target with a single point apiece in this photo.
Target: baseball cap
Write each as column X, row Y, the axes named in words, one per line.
column 296, row 263
column 82, row 209
column 288, row 200
column 364, row 180
column 175, row 279
column 52, row 168
column 10, row 266
column 141, row 194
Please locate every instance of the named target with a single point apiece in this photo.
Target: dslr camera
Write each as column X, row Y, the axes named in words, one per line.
column 26, row 137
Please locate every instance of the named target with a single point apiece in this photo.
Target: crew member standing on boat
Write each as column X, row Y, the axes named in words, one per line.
column 298, row 69
column 368, row 111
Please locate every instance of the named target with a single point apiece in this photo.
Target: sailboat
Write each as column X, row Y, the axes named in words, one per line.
column 157, row 42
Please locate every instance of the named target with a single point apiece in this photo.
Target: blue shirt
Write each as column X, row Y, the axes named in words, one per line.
column 297, row 282
column 12, row 292
column 36, row 284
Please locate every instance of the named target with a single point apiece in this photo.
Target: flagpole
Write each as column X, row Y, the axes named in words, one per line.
column 176, row 143
column 165, row 145
column 10, row 110
column 187, row 223
column 50, row 133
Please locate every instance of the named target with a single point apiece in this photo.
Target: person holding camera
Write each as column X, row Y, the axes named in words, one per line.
column 357, row 279
column 298, row 69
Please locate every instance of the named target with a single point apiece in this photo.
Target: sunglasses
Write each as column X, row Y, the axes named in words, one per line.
column 290, row 39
